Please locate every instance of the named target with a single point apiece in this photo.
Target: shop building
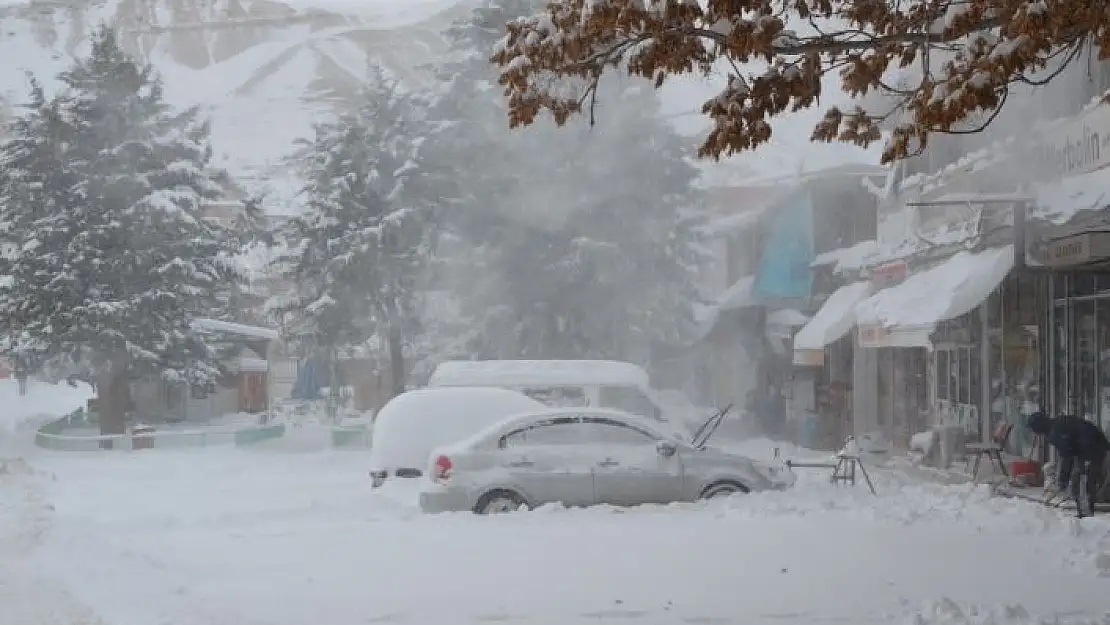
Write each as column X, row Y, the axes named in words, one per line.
column 747, row 346
column 986, row 293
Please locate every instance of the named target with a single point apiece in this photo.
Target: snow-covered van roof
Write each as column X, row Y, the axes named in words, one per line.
column 539, row 372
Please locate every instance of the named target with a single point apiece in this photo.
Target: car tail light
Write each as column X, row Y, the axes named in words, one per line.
column 441, row 469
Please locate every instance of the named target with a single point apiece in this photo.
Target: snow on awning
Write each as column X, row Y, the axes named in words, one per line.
column 739, row 295
column 780, row 325
column 835, row 318
column 852, row 258
column 736, row 297
column 736, row 223
column 946, row 291
column 253, row 365
column 1061, row 200
column 239, row 329
column 786, row 318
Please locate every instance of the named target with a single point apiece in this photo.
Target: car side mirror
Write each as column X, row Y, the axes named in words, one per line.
column 666, row 448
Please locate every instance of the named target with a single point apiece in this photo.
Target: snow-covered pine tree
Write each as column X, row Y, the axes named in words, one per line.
column 585, row 239
column 357, row 254
column 102, row 187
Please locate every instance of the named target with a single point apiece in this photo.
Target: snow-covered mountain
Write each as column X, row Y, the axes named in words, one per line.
column 262, row 69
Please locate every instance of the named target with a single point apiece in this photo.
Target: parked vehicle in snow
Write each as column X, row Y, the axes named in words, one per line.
column 414, row 423
column 568, row 383
column 583, row 457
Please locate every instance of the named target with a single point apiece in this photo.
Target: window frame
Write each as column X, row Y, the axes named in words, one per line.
column 502, row 441
column 653, row 437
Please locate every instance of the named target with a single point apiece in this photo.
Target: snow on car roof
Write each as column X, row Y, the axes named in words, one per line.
column 547, row 372
column 414, row 423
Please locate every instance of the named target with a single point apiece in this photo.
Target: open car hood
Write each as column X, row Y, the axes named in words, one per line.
column 705, row 432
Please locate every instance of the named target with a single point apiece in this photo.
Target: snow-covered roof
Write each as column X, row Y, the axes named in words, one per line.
column 1061, row 200
column 787, row 318
column 740, row 295
column 240, row 329
column 853, row 258
column 945, row 291
column 737, row 222
column 835, row 318
column 539, row 372
column 252, row 365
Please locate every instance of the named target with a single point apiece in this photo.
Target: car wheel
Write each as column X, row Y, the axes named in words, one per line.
column 723, row 489
column 499, row 502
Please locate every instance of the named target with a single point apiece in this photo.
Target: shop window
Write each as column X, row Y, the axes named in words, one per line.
column 942, row 375
column 958, row 380
column 1081, row 284
column 975, row 376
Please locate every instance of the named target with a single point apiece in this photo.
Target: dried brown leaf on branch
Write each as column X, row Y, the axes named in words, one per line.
column 963, row 55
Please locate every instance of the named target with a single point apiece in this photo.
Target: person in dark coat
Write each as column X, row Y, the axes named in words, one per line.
column 1081, row 450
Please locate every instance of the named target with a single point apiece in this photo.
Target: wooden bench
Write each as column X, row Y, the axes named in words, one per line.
column 993, row 450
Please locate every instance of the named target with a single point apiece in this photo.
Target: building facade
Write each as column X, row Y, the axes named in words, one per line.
column 986, row 292
column 768, row 235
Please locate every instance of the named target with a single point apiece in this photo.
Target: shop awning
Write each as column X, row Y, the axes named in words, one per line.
column 835, row 318
column 736, row 297
column 906, row 314
column 739, row 295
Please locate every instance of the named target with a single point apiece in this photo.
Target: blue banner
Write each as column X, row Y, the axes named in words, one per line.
column 784, row 270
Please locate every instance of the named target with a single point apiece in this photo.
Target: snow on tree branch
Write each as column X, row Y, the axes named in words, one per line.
column 965, row 55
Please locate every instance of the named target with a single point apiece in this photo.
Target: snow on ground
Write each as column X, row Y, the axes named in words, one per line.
column 255, row 537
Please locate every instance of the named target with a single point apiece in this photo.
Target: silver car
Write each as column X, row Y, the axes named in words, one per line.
column 583, row 457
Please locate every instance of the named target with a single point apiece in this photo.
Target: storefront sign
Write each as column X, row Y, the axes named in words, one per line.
column 1077, row 146
column 873, row 336
column 888, row 275
column 1078, row 249
column 809, row 357
column 876, row 336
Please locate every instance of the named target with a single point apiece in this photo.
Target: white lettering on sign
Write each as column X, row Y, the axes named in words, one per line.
column 1074, row 147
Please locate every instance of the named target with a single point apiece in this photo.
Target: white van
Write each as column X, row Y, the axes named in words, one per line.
column 564, row 383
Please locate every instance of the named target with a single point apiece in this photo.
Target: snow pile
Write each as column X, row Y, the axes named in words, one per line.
column 945, row 291
column 43, row 402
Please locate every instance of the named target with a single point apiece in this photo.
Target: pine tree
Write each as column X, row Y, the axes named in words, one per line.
column 101, row 192
column 585, row 240
column 358, row 253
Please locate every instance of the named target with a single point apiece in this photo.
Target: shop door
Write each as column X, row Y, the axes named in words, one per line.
column 1085, row 382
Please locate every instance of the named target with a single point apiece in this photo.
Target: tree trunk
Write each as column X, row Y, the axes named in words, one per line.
column 111, row 400
column 396, row 361
column 333, row 383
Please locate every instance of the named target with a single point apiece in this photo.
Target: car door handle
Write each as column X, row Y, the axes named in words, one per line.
column 521, row 463
column 608, row 462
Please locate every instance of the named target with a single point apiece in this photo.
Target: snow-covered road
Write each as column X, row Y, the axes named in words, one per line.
column 226, row 537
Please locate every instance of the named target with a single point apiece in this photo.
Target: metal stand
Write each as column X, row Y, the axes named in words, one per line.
column 845, row 471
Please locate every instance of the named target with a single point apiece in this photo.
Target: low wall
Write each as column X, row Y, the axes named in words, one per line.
column 350, row 436
column 53, row 436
